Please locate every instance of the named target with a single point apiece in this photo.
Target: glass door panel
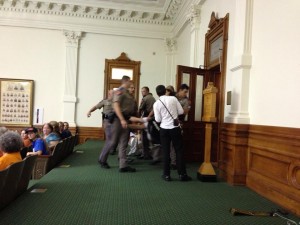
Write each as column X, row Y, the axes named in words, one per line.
column 198, row 98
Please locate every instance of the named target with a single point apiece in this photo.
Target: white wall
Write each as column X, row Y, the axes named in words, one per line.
column 37, row 55
column 95, row 49
column 184, row 46
column 275, row 69
column 275, row 73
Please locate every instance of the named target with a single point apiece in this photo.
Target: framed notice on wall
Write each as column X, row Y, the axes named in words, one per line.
column 16, row 99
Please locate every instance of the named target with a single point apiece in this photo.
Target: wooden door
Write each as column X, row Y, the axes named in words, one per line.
column 116, row 68
column 193, row 127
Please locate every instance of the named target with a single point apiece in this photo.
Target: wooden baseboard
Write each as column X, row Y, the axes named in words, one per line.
column 86, row 133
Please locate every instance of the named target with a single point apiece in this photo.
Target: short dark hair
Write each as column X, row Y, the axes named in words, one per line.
column 184, row 86
column 160, row 90
column 31, row 129
column 146, row 88
column 125, row 78
column 11, row 142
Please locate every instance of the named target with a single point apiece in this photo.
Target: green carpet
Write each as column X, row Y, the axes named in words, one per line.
column 84, row 193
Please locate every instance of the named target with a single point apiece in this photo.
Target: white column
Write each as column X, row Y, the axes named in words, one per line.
column 194, row 19
column 240, row 70
column 71, row 67
column 171, row 50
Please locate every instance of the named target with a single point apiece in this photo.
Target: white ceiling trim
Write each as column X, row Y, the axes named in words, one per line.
column 93, row 12
column 89, row 26
column 47, row 14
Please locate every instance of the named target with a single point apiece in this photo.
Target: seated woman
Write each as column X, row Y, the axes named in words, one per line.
column 50, row 136
column 26, row 140
column 66, row 132
column 10, row 146
column 38, row 144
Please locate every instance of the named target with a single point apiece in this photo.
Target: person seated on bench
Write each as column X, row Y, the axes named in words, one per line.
column 50, row 136
column 26, row 140
column 10, row 145
column 38, row 144
column 66, row 132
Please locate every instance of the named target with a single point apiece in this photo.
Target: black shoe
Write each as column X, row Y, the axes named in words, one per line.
column 184, row 177
column 147, row 157
column 129, row 161
column 127, row 169
column 166, row 177
column 104, row 165
column 140, row 157
column 173, row 167
column 144, row 157
column 154, row 162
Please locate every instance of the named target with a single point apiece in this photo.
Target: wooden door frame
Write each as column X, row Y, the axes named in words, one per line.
column 122, row 62
column 218, row 28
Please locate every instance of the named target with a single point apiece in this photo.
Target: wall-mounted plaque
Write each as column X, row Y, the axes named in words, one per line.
column 16, row 97
column 216, row 47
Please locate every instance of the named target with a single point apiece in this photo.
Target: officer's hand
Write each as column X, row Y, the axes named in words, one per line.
column 124, row 124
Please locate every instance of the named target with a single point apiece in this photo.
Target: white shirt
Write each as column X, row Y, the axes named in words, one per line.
column 161, row 113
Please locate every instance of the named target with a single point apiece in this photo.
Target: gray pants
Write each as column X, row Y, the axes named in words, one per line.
column 108, row 141
column 116, row 135
column 120, row 137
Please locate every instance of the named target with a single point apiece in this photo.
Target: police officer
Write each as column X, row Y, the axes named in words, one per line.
column 107, row 116
column 124, row 107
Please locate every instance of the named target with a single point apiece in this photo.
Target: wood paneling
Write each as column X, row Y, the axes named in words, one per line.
column 233, row 153
column 86, row 133
column 274, row 165
column 265, row 158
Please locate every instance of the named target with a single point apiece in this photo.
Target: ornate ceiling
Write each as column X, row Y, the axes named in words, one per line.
column 161, row 12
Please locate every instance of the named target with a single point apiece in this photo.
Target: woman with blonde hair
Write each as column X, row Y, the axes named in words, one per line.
column 50, row 136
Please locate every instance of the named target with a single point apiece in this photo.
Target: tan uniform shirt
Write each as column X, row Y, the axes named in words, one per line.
column 127, row 103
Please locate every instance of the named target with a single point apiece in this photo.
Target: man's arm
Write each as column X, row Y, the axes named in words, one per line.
column 157, row 115
column 98, row 106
